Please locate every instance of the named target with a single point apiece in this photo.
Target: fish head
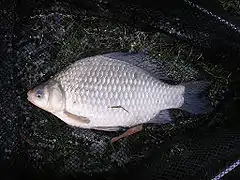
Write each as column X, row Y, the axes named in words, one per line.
column 48, row 96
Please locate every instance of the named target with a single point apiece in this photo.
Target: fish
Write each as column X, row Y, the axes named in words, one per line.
column 107, row 92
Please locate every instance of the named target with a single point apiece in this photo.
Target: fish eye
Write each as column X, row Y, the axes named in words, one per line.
column 39, row 93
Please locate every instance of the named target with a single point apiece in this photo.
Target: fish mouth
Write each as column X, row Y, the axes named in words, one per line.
column 29, row 96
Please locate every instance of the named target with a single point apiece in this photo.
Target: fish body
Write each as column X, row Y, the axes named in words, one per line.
column 103, row 92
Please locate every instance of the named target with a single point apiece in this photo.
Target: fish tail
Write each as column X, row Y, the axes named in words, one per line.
column 195, row 100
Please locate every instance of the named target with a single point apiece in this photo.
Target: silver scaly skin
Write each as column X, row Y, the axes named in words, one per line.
column 106, row 92
column 114, row 93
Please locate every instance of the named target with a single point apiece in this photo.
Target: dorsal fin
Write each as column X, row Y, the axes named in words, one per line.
column 144, row 61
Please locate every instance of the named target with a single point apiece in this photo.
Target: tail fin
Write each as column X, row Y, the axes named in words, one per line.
column 195, row 100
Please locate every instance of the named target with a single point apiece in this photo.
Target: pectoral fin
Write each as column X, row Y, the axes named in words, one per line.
column 76, row 118
column 107, row 128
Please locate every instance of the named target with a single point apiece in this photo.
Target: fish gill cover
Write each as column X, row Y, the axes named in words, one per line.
column 43, row 39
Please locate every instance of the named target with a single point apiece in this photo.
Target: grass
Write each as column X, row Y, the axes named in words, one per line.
column 231, row 6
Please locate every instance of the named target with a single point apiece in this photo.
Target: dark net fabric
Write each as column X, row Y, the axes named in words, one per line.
column 198, row 158
column 38, row 39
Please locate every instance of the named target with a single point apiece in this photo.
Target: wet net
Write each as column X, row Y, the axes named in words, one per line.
column 39, row 39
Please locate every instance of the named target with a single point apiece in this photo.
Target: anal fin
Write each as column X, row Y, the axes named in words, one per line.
column 163, row 117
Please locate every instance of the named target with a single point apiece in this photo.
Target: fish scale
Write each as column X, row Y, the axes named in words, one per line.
column 108, row 91
column 108, row 83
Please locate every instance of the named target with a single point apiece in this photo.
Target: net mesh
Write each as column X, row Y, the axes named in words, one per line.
column 41, row 42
